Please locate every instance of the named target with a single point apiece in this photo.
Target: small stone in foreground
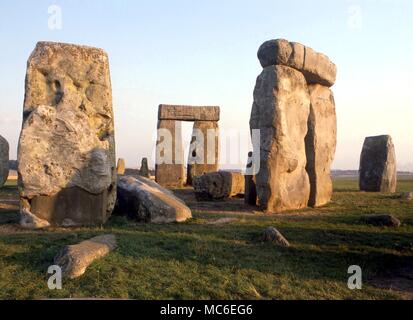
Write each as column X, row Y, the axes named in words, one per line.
column 75, row 259
column 407, row 196
column 381, row 220
column 271, row 234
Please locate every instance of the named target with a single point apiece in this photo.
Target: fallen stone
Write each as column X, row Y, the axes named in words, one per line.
column 75, row 259
column 271, row 234
column 381, row 220
column 218, row 185
column 4, row 161
column 144, row 170
column 66, row 154
column 29, row 221
column 320, row 143
column 280, row 111
column 144, row 200
column 169, row 167
column 188, row 113
column 407, row 196
column 203, row 154
column 378, row 172
column 121, row 166
column 316, row 67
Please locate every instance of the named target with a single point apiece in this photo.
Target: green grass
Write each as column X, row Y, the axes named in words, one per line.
column 195, row 260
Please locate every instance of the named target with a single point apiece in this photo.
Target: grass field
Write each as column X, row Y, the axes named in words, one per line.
column 200, row 260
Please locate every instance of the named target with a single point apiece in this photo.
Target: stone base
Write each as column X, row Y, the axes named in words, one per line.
column 71, row 207
column 170, row 175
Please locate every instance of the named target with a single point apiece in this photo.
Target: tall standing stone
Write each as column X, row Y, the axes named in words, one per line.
column 121, row 166
column 169, row 168
column 4, row 161
column 204, row 149
column 280, row 111
column 66, row 154
column 321, row 144
column 378, row 172
column 144, row 170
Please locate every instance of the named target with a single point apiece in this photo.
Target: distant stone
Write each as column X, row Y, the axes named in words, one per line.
column 381, row 220
column 146, row 201
column 188, row 113
column 271, row 234
column 377, row 171
column 407, row 196
column 219, row 185
column 203, row 156
column 320, row 144
column 4, row 161
column 121, row 167
column 316, row 67
column 144, row 170
column 75, row 259
column 66, row 153
column 280, row 111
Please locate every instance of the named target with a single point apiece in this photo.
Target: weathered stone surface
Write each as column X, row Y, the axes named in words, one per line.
column 143, row 199
column 121, row 166
column 381, row 220
column 378, row 171
column 67, row 144
column 75, row 259
column 280, row 111
column 144, row 170
column 321, row 143
column 30, row 221
column 407, row 196
column 169, row 167
column 4, row 161
column 250, row 196
column 316, row 67
column 188, row 113
column 271, row 234
column 204, row 149
column 218, row 185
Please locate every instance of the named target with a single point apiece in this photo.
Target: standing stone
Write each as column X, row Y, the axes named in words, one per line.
column 66, row 154
column 378, row 171
column 250, row 196
column 121, row 167
column 280, row 111
column 204, row 149
column 321, row 144
column 144, row 170
column 4, row 161
column 169, row 168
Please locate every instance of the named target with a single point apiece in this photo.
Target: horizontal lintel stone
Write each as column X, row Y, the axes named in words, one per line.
column 188, row 113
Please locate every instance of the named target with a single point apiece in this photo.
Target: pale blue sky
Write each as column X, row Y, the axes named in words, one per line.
column 204, row 53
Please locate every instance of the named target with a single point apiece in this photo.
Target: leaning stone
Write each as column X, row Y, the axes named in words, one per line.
column 378, row 171
column 169, row 167
column 320, row 145
column 144, row 170
column 271, row 234
column 316, row 67
column 280, row 111
column 219, row 185
column 203, row 154
column 188, row 113
column 4, row 161
column 75, row 259
column 407, row 196
column 121, row 167
column 381, row 220
column 66, row 153
column 144, row 200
